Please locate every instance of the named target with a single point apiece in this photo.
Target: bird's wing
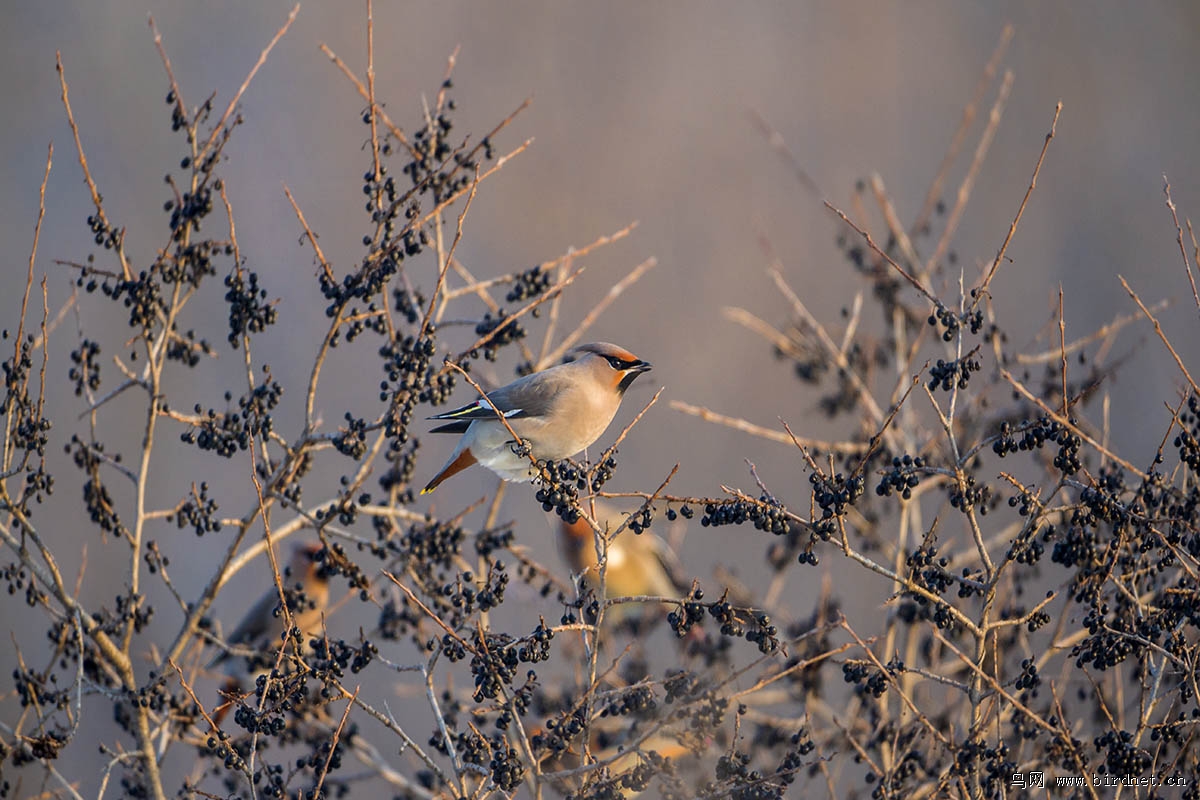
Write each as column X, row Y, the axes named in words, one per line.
column 531, row 396
column 253, row 627
column 453, row 427
column 257, row 622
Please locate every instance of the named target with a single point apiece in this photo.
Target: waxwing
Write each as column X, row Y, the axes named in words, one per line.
column 557, row 412
column 261, row 629
column 638, row 564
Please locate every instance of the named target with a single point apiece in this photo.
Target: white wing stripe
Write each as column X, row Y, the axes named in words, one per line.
column 483, row 403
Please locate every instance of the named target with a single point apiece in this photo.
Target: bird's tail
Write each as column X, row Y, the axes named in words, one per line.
column 456, row 465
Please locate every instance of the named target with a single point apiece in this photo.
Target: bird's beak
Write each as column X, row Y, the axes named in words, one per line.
column 640, row 367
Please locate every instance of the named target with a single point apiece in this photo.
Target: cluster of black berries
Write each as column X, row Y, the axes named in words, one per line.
column 96, row 498
column 405, row 362
column 603, row 471
column 409, row 303
column 948, row 374
column 530, row 283
column 249, row 311
column 198, row 511
column 402, row 463
column 506, row 767
column 464, row 598
column 733, row 622
column 489, row 541
column 727, row 617
column 732, row 774
column 708, row 711
column 431, row 544
column 951, row 322
column 28, row 429
column 86, row 371
column 435, row 167
column 470, row 746
column 384, row 202
column 1027, row 548
column 970, row 495
column 922, row 609
column 1101, row 504
column 1029, row 678
column 1026, row 501
column 637, row 700
column 453, row 648
column 334, row 561
column 178, row 120
column 16, row 373
column 767, row 514
column 1076, row 546
column 276, row 694
column 832, row 495
column 332, row 657
column 362, row 285
column 1034, row 435
column 1038, row 619
column 1188, row 440
column 190, row 209
column 1122, row 756
column 501, row 330
column 688, row 615
column 684, row 510
column 763, row 634
column 106, row 234
column 352, row 440
column 928, row 570
column 868, row 679
column 633, row 781
column 410, row 380
column 1104, row 648
column 31, row 435
column 233, row 430
column 186, row 349
column 902, row 478
column 641, row 519
column 220, row 748
column 37, row 483
column 998, row 766
column 32, row 689
column 559, row 732
column 493, row 664
column 143, row 298
column 132, row 608
column 779, row 553
column 289, row 486
column 559, row 484
column 15, row 577
column 536, row 646
column 193, row 261
column 587, row 600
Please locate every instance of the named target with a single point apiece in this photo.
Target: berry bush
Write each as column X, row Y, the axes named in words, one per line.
column 1043, row 592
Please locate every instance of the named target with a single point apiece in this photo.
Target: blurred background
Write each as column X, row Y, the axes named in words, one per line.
column 640, row 112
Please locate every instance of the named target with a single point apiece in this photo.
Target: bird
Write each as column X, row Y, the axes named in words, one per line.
column 557, row 412
column 638, row 564
column 306, row 586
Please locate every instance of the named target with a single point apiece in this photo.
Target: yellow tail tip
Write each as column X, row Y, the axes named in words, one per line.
column 427, row 490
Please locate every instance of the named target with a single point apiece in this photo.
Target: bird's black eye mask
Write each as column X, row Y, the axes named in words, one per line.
column 621, row 364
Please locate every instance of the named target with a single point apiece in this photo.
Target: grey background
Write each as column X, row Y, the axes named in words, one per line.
column 640, row 112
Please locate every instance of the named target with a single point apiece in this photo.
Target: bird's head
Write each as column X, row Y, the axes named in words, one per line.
column 616, row 366
column 307, row 566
